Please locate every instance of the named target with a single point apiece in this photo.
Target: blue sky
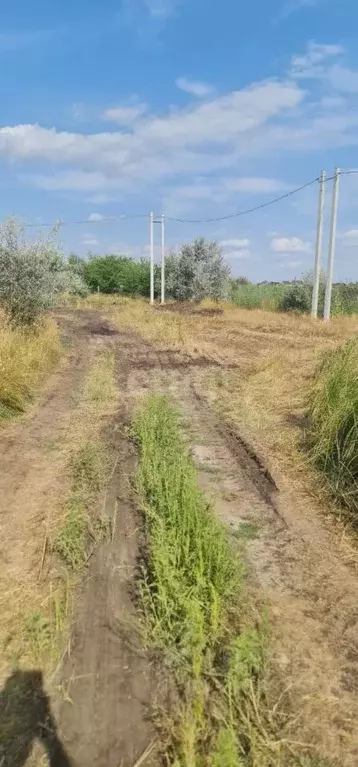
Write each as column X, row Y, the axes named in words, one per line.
column 188, row 108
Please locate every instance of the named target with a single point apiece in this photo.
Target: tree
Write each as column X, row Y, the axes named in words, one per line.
column 29, row 272
column 196, row 271
column 117, row 274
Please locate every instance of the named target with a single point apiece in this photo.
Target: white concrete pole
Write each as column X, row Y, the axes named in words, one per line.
column 319, row 236
column 151, row 225
column 332, row 243
column 163, row 264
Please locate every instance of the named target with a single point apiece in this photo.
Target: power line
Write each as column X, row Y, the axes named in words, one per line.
column 243, row 212
column 129, row 216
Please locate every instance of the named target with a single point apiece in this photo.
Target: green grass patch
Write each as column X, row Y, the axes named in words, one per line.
column 247, row 531
column 197, row 617
column 83, row 527
column 265, row 296
column 333, row 431
column 294, row 296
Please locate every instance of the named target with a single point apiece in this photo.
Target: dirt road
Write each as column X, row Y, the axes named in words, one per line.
column 106, row 682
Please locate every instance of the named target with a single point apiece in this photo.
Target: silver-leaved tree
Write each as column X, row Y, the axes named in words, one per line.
column 32, row 273
column 197, row 270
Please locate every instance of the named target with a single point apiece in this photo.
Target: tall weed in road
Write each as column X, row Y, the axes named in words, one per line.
column 196, row 614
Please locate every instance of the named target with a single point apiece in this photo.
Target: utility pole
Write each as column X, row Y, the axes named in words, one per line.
column 151, row 226
column 332, row 243
column 163, row 264
column 318, row 253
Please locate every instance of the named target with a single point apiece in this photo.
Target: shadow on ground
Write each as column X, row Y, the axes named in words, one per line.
column 25, row 717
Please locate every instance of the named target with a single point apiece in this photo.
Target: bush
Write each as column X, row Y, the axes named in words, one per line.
column 29, row 273
column 334, row 423
column 296, row 299
column 72, row 283
column 345, row 298
column 197, row 271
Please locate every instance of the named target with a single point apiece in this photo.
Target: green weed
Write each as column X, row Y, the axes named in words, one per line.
column 70, row 542
column 194, row 609
column 82, row 528
column 333, row 431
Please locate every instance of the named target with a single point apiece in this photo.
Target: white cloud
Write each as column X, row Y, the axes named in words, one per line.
column 316, row 64
column 194, row 87
column 267, row 119
column 201, row 138
column 243, row 243
column 75, row 180
column 96, row 217
column 290, row 245
column 242, row 254
column 125, row 115
column 351, row 236
column 255, row 185
column 343, row 79
column 90, row 242
column 316, row 54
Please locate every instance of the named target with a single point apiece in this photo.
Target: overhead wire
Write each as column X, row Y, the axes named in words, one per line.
column 213, row 219
column 243, row 212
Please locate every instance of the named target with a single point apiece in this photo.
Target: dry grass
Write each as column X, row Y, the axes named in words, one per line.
column 26, row 355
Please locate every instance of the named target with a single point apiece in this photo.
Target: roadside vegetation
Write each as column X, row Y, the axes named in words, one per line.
column 293, row 297
column 198, row 616
column 196, row 271
column 33, row 274
column 26, row 356
column 333, row 424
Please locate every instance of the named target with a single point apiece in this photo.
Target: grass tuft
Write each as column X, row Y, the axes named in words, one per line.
column 334, row 423
column 25, row 357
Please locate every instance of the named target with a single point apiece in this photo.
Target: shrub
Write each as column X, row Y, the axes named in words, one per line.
column 197, row 271
column 296, row 299
column 334, row 423
column 72, row 283
column 29, row 273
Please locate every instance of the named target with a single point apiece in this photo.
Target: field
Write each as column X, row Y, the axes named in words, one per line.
column 179, row 545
